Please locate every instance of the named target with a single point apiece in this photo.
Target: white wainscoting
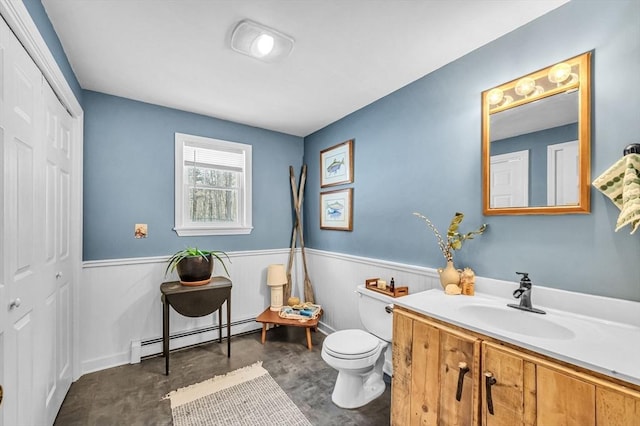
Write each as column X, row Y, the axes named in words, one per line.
column 121, row 311
column 335, row 278
column 120, row 318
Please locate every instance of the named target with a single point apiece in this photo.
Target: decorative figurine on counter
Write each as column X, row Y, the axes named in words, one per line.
column 467, row 281
column 452, row 289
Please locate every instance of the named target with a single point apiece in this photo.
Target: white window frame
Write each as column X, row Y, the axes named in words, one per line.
column 182, row 226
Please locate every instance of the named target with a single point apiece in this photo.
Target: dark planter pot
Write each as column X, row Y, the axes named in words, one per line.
column 195, row 270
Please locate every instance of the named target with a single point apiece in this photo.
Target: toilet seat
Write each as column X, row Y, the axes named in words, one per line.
column 351, row 344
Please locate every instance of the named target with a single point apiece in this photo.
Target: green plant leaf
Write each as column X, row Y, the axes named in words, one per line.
column 455, row 223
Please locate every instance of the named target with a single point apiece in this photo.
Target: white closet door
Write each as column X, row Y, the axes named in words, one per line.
column 57, row 268
column 22, row 223
column 40, row 226
column 55, row 317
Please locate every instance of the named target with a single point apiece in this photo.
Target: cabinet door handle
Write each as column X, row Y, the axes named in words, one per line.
column 463, row 369
column 489, row 381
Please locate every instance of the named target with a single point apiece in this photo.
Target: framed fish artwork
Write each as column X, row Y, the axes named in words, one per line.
column 336, row 164
column 336, row 210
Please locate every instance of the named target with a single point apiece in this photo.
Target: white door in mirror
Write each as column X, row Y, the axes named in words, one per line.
column 562, row 174
column 510, row 179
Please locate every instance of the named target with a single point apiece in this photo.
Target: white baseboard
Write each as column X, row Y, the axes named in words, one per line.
column 178, row 342
column 99, row 364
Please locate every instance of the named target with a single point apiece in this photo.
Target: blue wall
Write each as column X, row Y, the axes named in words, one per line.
column 129, row 179
column 418, row 149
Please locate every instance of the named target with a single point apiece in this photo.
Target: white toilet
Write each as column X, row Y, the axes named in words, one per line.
column 361, row 357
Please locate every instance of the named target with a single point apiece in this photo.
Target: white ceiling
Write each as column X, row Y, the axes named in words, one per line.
column 348, row 53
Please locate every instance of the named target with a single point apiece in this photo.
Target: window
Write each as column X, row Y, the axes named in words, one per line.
column 213, row 186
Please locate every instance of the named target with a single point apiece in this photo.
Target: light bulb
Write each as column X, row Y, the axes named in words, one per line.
column 494, row 96
column 559, row 73
column 525, row 86
column 264, row 44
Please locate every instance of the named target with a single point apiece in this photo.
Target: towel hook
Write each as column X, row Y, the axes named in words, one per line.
column 633, row 148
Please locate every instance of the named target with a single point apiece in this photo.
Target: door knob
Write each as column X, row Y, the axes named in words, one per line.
column 15, row 303
column 58, row 275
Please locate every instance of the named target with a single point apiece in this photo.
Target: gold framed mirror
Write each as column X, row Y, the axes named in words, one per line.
column 536, row 142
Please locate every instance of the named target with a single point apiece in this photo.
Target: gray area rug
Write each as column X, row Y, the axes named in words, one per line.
column 247, row 396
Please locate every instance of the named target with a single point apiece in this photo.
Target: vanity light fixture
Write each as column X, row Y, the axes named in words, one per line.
column 549, row 80
column 259, row 41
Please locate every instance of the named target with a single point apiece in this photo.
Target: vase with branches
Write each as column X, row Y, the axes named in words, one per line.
column 453, row 241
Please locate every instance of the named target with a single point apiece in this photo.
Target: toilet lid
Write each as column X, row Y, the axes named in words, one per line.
column 351, row 344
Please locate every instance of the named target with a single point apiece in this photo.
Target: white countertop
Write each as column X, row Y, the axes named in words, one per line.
column 608, row 347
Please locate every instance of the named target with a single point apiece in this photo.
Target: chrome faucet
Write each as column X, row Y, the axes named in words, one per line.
column 524, row 294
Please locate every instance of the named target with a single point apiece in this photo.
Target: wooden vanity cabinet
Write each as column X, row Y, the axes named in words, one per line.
column 505, row 385
column 435, row 374
column 534, row 391
column 526, row 393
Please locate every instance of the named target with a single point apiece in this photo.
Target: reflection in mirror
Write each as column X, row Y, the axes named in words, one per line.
column 536, row 142
column 544, row 130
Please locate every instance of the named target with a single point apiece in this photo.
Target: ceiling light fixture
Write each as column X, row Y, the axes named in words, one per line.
column 260, row 42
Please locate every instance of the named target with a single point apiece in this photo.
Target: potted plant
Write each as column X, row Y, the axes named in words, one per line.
column 195, row 266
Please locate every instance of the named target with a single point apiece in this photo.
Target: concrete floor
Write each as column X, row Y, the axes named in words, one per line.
column 132, row 394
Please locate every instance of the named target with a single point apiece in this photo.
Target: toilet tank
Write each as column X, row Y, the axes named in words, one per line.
column 374, row 317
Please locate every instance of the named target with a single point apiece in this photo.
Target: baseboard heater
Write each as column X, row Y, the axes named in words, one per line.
column 196, row 331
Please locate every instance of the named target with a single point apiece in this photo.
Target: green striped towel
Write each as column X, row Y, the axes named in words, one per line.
column 621, row 183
